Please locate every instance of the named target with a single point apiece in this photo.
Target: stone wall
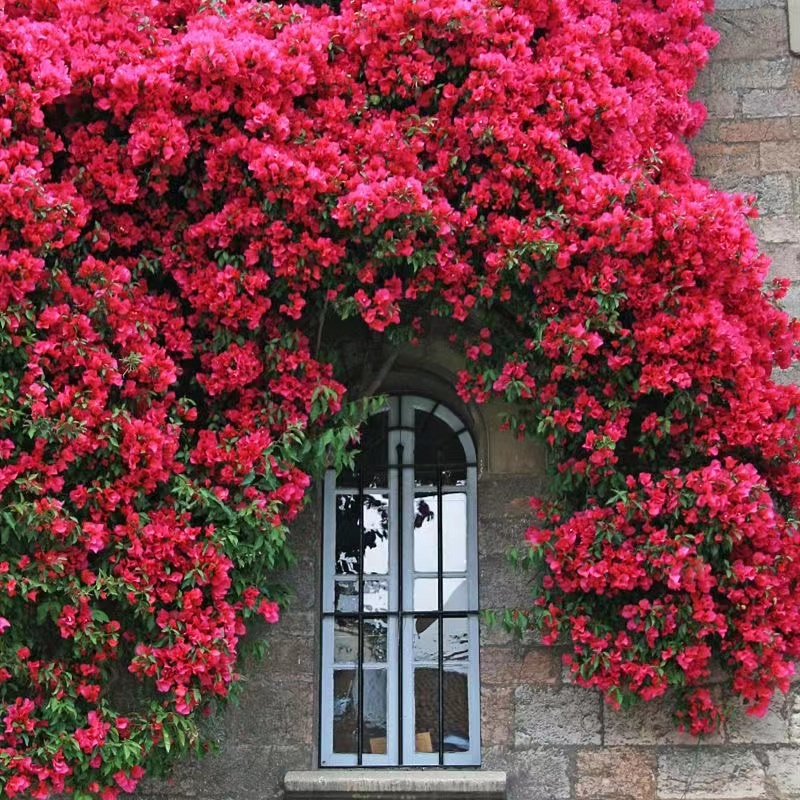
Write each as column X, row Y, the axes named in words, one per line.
column 554, row 740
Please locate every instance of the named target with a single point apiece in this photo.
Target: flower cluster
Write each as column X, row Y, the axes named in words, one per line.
column 193, row 196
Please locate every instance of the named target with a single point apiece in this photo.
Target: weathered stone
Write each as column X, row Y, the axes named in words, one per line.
column 785, row 260
column 751, row 34
column 503, row 586
column 496, row 715
column 783, row 228
column 754, row 130
column 273, row 712
column 783, row 772
column 615, row 773
column 720, row 159
column 540, row 666
column 237, row 772
column 567, row 715
column 773, row 192
column 794, row 717
column 499, row 665
column 772, row 728
column 720, row 105
column 710, row 774
column 646, row 724
column 728, row 5
column 791, row 303
column 771, row 103
column 540, row 774
column 752, row 74
column 780, row 156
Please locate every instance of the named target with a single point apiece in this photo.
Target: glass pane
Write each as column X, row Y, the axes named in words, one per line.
column 435, row 442
column 376, row 596
column 349, row 511
column 374, row 730
column 454, row 532
column 426, row 533
column 345, row 711
column 346, row 596
column 456, row 710
column 370, row 463
column 426, row 639
column 426, row 709
column 454, row 594
column 345, row 640
column 375, row 639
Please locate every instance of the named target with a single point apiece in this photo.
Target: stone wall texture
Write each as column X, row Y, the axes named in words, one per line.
column 555, row 740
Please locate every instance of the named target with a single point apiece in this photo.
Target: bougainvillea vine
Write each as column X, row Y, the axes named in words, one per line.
column 193, row 194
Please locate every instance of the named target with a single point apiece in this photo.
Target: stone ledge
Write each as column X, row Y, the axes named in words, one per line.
column 395, row 784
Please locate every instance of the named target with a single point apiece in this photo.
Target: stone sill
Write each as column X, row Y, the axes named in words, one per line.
column 395, row 784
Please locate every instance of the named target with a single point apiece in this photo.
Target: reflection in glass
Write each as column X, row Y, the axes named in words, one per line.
column 454, row 594
column 456, row 710
column 345, row 640
column 375, row 540
column 370, row 462
column 426, row 709
column 436, row 444
column 346, row 596
column 426, row 639
column 345, row 711
column 374, row 730
column 454, row 532
column 376, row 596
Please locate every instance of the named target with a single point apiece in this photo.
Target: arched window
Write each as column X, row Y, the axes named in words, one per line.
column 400, row 595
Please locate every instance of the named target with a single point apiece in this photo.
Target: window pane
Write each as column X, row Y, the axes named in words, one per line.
column 376, row 596
column 436, row 443
column 454, row 532
column 454, row 594
column 349, row 510
column 426, row 533
column 426, row 709
column 345, row 640
column 374, row 730
column 456, row 710
column 426, row 639
column 346, row 596
column 345, row 711
column 370, row 463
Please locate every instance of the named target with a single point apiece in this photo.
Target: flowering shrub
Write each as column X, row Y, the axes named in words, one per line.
column 191, row 191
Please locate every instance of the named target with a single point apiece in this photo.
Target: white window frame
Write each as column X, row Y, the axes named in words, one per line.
column 401, row 489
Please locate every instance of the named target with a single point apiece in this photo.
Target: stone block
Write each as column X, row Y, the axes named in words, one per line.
column 783, row 772
column 646, row 723
column 752, row 74
column 785, row 260
column 773, row 192
column 496, row 715
column 615, row 773
column 292, row 657
column 720, row 105
column 772, row 728
column 540, row 666
column 754, row 130
column 273, row 712
column 771, row 103
column 778, row 229
column 791, row 303
column 794, row 717
column 727, row 159
column 499, row 666
column 751, row 33
column 504, row 586
column 729, row 5
column 701, row 773
column 540, row 774
column 780, row 156
column 564, row 716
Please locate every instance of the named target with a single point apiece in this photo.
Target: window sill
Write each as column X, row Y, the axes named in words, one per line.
column 395, row 784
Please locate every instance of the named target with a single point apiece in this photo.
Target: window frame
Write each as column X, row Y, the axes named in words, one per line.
column 400, row 702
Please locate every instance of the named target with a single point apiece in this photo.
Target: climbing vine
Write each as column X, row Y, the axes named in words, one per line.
column 194, row 194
